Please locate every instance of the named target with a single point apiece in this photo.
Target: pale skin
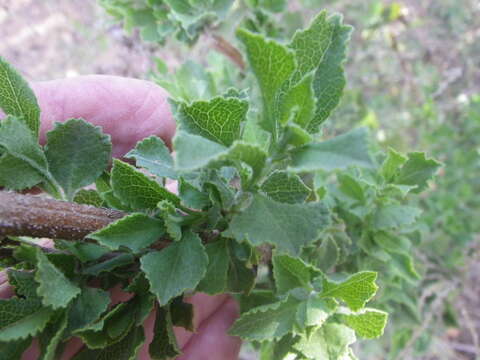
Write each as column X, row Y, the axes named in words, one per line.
column 130, row 110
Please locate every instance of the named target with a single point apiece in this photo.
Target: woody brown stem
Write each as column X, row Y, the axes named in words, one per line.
column 36, row 216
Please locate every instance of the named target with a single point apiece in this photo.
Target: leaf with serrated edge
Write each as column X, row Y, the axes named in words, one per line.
column 51, row 337
column 267, row 322
column 21, row 318
column 215, row 280
column 287, row 226
column 54, row 288
column 284, row 187
column 392, row 216
column 135, row 231
column 355, row 291
column 367, row 323
column 153, row 155
column 16, row 97
column 350, row 149
column 417, row 171
column 290, row 273
column 77, row 153
column 218, row 119
column 392, row 164
column 136, row 189
column 176, row 268
column 272, row 64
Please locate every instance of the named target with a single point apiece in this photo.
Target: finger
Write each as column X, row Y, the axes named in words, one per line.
column 127, row 109
column 212, row 342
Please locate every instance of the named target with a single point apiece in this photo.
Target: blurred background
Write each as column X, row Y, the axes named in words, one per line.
column 413, row 77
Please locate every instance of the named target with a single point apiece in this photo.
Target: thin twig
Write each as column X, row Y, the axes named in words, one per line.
column 36, row 216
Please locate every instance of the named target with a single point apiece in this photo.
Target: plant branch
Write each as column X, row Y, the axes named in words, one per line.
column 36, row 216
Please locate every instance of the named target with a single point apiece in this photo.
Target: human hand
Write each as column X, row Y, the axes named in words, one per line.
column 130, row 110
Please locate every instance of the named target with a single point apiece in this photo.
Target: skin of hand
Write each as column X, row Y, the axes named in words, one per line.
column 130, row 110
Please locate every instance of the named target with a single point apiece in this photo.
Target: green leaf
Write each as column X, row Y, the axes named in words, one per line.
column 351, row 187
column 290, row 273
column 240, row 276
column 16, row 97
column 392, row 216
column 284, row 187
column 191, row 196
column 136, row 189
column 313, row 312
column 135, row 231
column 331, row 341
column 298, row 102
column 327, row 254
column 13, row 350
column 77, row 153
column 54, row 288
column 329, row 80
column 182, row 314
column 272, row 64
column 164, row 344
column 267, row 322
column 218, row 119
column 22, row 318
column 215, row 279
column 350, row 149
column 86, row 309
column 153, row 155
column 417, row 171
column 24, row 283
column 392, row 164
column 16, row 174
column 368, row 323
column 88, row 197
column 85, row 252
column 109, row 264
column 287, row 226
column 355, row 291
column 20, row 143
column 51, row 337
column 126, row 349
column 176, row 268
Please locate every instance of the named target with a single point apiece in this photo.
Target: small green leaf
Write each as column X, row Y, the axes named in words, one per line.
column 290, row 273
column 182, row 314
column 215, row 280
column 218, row 119
column 327, row 254
column 109, row 264
column 16, row 97
column 51, row 337
column 136, row 189
column 191, row 196
column 88, row 197
column 164, row 344
column 16, row 174
column 392, row 164
column 368, row 323
column 20, row 143
column 351, row 187
column 153, row 155
column 22, row 318
column 272, row 64
column 355, row 291
column 417, row 171
column 86, row 309
column 313, row 312
column 176, row 268
column 267, row 322
column 287, row 226
column 54, row 288
column 284, row 187
column 126, row 349
column 77, row 153
column 331, row 341
column 135, row 231
column 350, row 149
column 392, row 216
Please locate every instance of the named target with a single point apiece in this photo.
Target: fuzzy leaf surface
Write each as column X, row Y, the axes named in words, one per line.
column 54, row 288
column 368, row 323
column 284, row 187
column 355, row 291
column 218, row 119
column 417, row 171
column 176, row 268
column 77, row 153
column 291, row 272
column 135, row 231
column 152, row 154
column 267, row 322
column 16, row 97
column 287, row 226
column 350, row 149
column 392, row 216
column 136, row 189
column 215, row 280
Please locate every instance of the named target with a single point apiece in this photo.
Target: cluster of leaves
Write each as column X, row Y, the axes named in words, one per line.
column 266, row 209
